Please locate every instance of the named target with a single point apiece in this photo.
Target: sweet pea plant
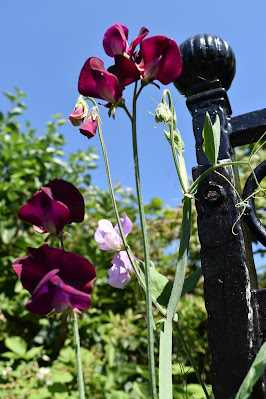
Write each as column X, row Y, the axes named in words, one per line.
column 61, row 281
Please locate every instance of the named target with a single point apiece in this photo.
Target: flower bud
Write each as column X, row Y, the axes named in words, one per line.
column 79, row 113
column 163, row 113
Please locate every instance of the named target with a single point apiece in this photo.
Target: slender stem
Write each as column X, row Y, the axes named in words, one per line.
column 192, row 362
column 127, row 112
column 127, row 248
column 78, row 357
column 146, row 251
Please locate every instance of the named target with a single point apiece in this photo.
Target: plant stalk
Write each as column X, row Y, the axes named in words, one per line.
column 146, row 252
column 81, row 389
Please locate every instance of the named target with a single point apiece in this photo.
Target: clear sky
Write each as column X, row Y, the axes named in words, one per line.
column 45, row 44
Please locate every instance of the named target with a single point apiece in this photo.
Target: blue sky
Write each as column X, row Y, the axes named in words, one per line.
column 45, row 44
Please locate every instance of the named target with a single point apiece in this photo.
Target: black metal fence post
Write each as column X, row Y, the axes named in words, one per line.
column 235, row 315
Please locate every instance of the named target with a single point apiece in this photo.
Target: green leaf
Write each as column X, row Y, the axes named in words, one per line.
column 254, row 373
column 191, row 281
column 211, row 135
column 33, row 352
column 17, row 345
column 61, row 376
column 7, row 234
column 160, row 286
column 10, row 96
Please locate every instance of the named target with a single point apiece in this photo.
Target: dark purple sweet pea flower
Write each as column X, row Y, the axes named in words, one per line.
column 89, row 128
column 56, row 279
column 95, row 81
column 56, row 204
column 119, row 274
column 115, row 40
column 159, row 58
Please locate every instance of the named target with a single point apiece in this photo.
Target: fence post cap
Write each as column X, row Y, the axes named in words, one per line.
column 208, row 62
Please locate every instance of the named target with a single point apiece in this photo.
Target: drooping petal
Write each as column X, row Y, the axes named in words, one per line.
column 95, row 81
column 87, row 85
column 115, row 40
column 89, row 128
column 107, row 84
column 77, row 116
column 118, row 273
column 143, row 32
column 69, row 195
column 159, row 58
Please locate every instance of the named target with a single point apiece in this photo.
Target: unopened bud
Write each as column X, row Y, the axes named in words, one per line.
column 79, row 113
column 163, row 113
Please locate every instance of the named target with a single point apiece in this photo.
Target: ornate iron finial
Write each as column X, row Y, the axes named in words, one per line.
column 207, row 59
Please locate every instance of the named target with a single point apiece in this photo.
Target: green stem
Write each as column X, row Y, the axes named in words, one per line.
column 78, row 357
column 146, row 251
column 127, row 248
column 192, row 362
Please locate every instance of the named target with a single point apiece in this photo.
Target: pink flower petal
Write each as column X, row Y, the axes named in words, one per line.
column 118, row 273
column 89, row 128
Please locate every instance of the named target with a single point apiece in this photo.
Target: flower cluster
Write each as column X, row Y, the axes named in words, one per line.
column 109, row 239
column 157, row 59
column 57, row 280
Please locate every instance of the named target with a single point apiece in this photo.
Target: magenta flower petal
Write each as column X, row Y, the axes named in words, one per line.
column 125, row 70
column 118, row 273
column 53, row 206
column 43, row 211
column 56, row 279
column 143, row 32
column 115, row 40
column 159, row 58
column 54, row 294
column 78, row 115
column 87, row 85
column 95, row 81
column 69, row 195
column 89, row 128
